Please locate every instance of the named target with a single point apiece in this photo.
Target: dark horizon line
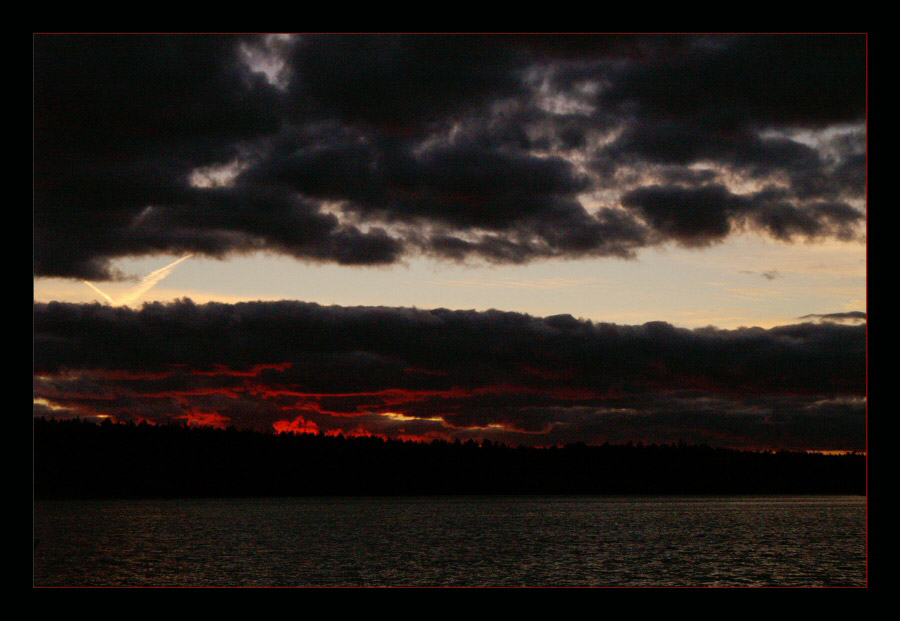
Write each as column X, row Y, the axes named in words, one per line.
column 340, row 435
column 76, row 459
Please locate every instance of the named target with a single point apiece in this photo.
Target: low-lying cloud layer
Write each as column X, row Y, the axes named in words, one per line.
column 365, row 149
column 408, row 373
column 849, row 316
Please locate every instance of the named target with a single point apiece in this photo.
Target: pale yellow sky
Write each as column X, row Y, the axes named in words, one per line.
column 723, row 285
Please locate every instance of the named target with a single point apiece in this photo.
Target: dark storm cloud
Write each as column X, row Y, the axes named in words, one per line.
column 767, row 422
column 441, row 371
column 120, row 121
column 401, row 83
column 848, row 316
column 368, row 148
column 747, row 81
column 680, row 143
column 250, row 217
column 571, row 233
column 707, row 214
column 461, row 185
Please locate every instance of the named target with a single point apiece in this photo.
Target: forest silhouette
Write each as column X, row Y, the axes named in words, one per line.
column 82, row 459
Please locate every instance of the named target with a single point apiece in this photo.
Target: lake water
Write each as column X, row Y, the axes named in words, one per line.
column 510, row 541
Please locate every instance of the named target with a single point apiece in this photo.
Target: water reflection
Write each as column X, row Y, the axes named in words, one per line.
column 452, row 541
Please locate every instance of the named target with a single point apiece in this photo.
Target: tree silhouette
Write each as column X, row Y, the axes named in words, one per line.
column 75, row 458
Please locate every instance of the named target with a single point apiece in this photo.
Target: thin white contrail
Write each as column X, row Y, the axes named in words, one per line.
column 109, row 299
column 144, row 286
column 149, row 281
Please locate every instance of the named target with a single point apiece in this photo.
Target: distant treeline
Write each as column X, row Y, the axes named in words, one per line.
column 79, row 459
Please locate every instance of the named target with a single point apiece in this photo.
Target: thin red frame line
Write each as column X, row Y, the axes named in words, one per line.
column 866, row 34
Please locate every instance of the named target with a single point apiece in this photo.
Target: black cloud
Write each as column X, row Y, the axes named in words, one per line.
column 401, row 83
column 757, row 80
column 374, row 147
column 463, row 373
column 706, row 214
column 846, row 316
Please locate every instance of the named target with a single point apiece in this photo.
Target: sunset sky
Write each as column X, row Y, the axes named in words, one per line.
column 536, row 239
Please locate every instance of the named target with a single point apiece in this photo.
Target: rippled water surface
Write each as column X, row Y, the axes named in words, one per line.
column 452, row 541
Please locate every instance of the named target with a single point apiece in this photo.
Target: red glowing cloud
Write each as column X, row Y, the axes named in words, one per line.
column 299, row 368
column 205, row 419
column 298, row 425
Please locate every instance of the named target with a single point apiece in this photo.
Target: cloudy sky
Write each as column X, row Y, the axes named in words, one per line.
column 538, row 239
